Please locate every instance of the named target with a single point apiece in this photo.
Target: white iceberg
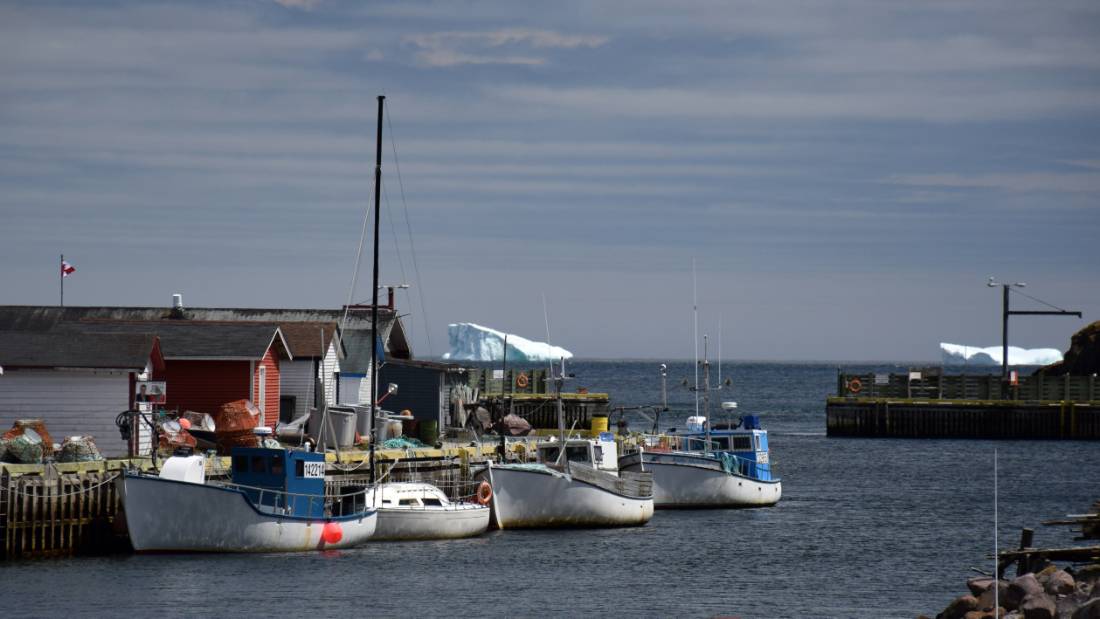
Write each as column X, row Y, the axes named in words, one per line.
column 470, row 342
column 957, row 354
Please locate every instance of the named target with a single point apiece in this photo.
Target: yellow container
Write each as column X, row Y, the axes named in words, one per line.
column 599, row 424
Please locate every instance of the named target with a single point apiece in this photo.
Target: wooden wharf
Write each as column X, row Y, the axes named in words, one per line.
column 524, row 392
column 67, row 509
column 934, row 405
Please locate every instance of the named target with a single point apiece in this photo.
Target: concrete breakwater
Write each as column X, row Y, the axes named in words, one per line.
column 64, row 509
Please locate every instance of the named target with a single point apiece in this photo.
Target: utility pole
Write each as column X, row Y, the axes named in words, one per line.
column 1006, row 312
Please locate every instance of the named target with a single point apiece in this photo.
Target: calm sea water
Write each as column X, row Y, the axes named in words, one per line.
column 866, row 528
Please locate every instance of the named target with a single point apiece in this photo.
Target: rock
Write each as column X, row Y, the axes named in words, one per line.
column 1043, row 575
column 1060, row 583
column 1089, row 573
column 1091, row 610
column 1083, row 356
column 979, row 584
column 1019, row 589
column 985, row 600
column 958, row 607
column 984, row 614
column 1038, row 606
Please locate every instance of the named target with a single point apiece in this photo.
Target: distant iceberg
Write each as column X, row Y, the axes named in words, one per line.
column 470, row 342
column 957, row 354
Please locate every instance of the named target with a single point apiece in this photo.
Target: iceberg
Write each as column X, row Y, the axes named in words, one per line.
column 957, row 354
column 470, row 342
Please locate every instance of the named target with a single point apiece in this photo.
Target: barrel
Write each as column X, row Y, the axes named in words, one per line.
column 599, row 424
column 429, row 431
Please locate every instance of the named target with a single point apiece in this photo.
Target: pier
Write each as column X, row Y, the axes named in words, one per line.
column 65, row 509
column 927, row 404
column 525, row 393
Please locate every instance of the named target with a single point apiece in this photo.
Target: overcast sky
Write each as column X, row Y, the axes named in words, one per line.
column 846, row 174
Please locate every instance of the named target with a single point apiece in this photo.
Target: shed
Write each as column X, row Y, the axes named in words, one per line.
column 424, row 388
column 77, row 383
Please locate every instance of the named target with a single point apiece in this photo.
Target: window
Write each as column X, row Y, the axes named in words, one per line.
column 261, row 393
column 259, row 464
column 299, row 469
column 576, row 453
column 433, row 502
column 720, row 443
column 407, row 502
column 742, row 443
column 240, row 464
column 549, row 454
column 277, row 464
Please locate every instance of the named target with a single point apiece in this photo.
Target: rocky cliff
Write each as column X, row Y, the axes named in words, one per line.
column 1083, row 356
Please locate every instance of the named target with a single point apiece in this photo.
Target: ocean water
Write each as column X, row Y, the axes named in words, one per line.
column 866, row 528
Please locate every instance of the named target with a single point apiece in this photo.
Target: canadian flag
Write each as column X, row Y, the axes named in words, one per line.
column 67, row 269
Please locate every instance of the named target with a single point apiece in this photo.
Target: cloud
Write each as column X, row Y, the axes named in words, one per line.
column 1021, row 182
column 446, row 49
column 304, row 5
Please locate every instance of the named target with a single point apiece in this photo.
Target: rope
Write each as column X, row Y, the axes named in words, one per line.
column 408, row 227
column 52, row 495
column 1036, row 300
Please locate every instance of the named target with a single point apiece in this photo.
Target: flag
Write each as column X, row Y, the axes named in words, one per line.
column 66, row 269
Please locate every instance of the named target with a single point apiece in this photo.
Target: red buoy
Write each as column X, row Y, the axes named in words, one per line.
column 332, row 533
column 185, row 424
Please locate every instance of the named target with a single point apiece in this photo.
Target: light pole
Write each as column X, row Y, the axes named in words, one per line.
column 1006, row 312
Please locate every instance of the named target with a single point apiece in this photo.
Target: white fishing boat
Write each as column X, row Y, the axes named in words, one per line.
column 275, row 502
column 583, row 488
column 419, row 511
column 719, row 468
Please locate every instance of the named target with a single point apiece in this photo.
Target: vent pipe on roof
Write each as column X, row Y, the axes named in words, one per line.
column 177, row 305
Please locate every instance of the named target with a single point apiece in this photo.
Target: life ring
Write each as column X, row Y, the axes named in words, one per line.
column 484, row 493
column 521, row 381
column 855, row 385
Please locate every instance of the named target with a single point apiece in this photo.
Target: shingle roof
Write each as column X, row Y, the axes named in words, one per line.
column 130, row 351
column 196, row 340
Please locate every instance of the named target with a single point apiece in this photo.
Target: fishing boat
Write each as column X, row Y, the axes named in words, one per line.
column 727, row 467
column 419, row 511
column 275, row 501
column 581, row 488
column 720, row 466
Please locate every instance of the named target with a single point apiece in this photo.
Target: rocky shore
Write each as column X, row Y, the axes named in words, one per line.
column 1048, row 593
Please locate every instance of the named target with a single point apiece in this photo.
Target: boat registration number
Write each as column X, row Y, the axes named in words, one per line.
column 313, row 470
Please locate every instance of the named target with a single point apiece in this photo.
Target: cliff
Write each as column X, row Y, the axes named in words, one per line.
column 1083, row 356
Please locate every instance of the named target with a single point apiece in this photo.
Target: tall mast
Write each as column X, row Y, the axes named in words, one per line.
column 695, row 332
column 374, row 293
column 706, row 395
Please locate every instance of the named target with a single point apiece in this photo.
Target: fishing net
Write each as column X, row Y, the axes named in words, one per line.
column 403, row 442
column 26, row 447
column 78, row 449
column 39, row 427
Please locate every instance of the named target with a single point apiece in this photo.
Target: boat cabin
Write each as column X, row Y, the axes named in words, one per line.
column 748, row 443
column 281, row 480
column 410, row 495
column 601, row 453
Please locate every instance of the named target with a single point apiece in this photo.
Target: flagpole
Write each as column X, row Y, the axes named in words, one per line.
column 61, row 274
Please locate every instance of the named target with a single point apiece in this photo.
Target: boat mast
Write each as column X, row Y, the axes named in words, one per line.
column 374, row 295
column 706, row 395
column 695, row 332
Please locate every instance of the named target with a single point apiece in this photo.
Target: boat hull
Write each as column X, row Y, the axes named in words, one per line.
column 533, row 498
column 423, row 523
column 686, row 480
column 171, row 516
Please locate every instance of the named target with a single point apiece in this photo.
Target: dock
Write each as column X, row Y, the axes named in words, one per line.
column 924, row 404
column 67, row 509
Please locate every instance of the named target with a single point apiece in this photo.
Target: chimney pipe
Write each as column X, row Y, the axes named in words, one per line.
column 177, row 306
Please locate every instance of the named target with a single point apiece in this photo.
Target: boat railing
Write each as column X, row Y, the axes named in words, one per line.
column 290, row 503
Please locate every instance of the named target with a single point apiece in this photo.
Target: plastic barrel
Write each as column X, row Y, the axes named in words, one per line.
column 599, row 424
column 429, row 431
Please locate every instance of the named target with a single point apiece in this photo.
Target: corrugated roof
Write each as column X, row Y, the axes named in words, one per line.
column 76, row 350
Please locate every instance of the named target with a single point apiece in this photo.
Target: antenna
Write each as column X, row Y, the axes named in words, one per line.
column 996, row 551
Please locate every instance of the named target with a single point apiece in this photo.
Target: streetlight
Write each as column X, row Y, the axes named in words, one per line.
column 1006, row 312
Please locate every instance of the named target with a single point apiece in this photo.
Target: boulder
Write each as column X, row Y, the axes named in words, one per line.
column 1083, row 356
column 985, row 600
column 958, row 607
column 1043, row 575
column 979, row 584
column 1091, row 610
column 1089, row 573
column 1038, row 606
column 1019, row 589
column 1060, row 583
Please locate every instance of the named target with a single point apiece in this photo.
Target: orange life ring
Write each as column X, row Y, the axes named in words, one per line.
column 855, row 385
column 484, row 493
column 521, row 381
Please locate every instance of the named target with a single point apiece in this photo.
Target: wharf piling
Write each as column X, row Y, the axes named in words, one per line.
column 919, row 405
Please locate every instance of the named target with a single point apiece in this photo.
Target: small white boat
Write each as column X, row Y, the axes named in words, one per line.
column 732, row 470
column 582, row 489
column 275, row 503
column 420, row 511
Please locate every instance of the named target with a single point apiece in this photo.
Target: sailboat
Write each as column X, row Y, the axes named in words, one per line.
column 575, row 483
column 410, row 511
column 723, row 466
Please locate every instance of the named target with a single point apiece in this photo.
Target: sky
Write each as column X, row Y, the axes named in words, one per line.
column 845, row 175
